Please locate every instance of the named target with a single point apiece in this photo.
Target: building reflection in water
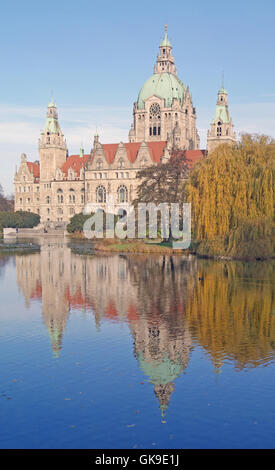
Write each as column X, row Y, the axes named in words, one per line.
column 170, row 303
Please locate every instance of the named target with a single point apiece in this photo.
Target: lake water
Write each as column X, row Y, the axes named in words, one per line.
column 135, row 351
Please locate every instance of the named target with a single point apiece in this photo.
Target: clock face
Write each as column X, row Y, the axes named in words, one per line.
column 154, row 109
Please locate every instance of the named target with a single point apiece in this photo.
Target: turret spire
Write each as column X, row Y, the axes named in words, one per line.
column 221, row 130
column 165, row 41
column 52, row 145
column 165, row 60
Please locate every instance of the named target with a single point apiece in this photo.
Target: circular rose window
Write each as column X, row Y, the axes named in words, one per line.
column 154, row 109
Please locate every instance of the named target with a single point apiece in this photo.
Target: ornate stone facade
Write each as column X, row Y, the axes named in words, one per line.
column 57, row 186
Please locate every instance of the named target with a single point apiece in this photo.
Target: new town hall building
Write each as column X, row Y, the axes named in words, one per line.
column 57, row 186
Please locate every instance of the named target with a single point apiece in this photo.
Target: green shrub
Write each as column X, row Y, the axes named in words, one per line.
column 77, row 221
column 19, row 219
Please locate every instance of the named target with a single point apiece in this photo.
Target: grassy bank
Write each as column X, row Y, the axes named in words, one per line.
column 214, row 250
column 133, row 246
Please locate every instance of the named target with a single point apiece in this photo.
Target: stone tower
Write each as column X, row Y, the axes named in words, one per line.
column 164, row 104
column 52, row 146
column 221, row 128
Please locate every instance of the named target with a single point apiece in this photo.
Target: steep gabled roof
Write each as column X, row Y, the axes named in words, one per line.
column 34, row 169
column 156, row 150
column 76, row 163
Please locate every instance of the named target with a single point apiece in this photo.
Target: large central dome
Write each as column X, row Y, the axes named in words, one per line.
column 164, row 85
column 164, row 111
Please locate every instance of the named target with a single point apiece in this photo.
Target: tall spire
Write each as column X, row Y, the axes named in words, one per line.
column 165, row 60
column 165, row 42
column 222, row 90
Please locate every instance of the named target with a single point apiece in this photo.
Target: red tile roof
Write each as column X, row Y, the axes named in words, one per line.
column 110, row 151
column 132, row 149
column 156, row 150
column 34, row 169
column 194, row 156
column 75, row 162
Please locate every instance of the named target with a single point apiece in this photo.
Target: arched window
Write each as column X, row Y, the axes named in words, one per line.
column 100, row 194
column 60, row 196
column 122, row 194
column 71, row 195
column 219, row 129
column 48, row 200
column 82, row 195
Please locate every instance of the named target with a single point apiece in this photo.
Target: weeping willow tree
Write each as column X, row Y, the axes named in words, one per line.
column 232, row 193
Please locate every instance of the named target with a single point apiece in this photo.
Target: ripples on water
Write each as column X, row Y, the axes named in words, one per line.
column 145, row 351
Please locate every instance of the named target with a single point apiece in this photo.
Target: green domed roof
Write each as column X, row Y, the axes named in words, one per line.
column 164, row 85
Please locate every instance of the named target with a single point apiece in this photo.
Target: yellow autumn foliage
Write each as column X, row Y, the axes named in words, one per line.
column 232, row 193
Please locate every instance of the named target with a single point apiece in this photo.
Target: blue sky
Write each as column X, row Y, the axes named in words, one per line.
column 95, row 56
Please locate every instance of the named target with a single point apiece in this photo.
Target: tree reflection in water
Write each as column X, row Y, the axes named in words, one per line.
column 169, row 303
